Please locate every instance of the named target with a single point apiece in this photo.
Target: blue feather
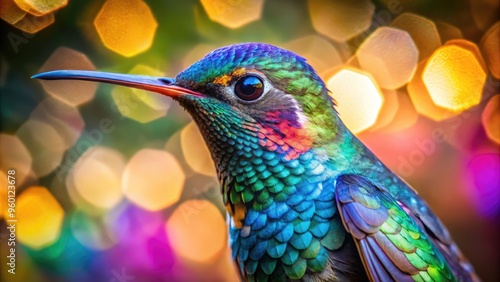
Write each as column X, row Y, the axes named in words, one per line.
column 275, row 249
column 260, row 222
column 319, row 229
column 290, row 256
column 290, row 215
column 268, row 231
column 285, row 234
column 301, row 226
column 258, row 250
column 248, row 242
column 278, row 210
column 294, row 199
column 251, row 266
column 301, row 241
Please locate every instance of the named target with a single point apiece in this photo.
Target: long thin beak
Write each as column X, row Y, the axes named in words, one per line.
column 162, row 85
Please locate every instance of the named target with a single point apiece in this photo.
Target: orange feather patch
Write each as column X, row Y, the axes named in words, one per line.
column 238, row 213
column 226, row 78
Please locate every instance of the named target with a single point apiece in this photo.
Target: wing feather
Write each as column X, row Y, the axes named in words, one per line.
column 392, row 245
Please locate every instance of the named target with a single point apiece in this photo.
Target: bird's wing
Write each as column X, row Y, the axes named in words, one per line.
column 392, row 245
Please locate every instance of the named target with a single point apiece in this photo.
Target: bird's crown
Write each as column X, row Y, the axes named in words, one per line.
column 226, row 60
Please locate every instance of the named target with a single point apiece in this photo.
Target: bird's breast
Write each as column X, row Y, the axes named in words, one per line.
column 284, row 218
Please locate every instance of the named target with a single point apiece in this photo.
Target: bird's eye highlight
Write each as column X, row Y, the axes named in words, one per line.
column 249, row 88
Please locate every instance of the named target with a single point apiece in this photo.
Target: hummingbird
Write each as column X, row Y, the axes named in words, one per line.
column 306, row 200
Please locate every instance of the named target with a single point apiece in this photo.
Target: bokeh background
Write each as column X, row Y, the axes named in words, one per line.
column 114, row 184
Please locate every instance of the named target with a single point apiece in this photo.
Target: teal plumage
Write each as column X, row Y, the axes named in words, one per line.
column 307, row 200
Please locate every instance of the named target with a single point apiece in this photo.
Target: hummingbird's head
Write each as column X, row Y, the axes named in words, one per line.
column 265, row 95
column 262, row 85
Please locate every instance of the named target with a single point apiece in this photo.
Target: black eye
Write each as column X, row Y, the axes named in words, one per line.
column 249, row 87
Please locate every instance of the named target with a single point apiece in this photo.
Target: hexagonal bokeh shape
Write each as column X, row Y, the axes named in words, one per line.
column 188, row 231
column 65, row 119
column 231, row 13
column 491, row 118
column 32, row 24
column 319, row 52
column 358, row 98
column 41, row 215
column 422, row 99
column 10, row 12
column 390, row 55
column 341, row 20
column 471, row 46
column 454, row 78
column 490, row 44
column 141, row 105
column 195, row 151
column 71, row 92
column 13, row 154
column 388, row 111
column 423, row 32
column 153, row 179
column 98, row 167
column 126, row 27
column 40, row 7
column 44, row 143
